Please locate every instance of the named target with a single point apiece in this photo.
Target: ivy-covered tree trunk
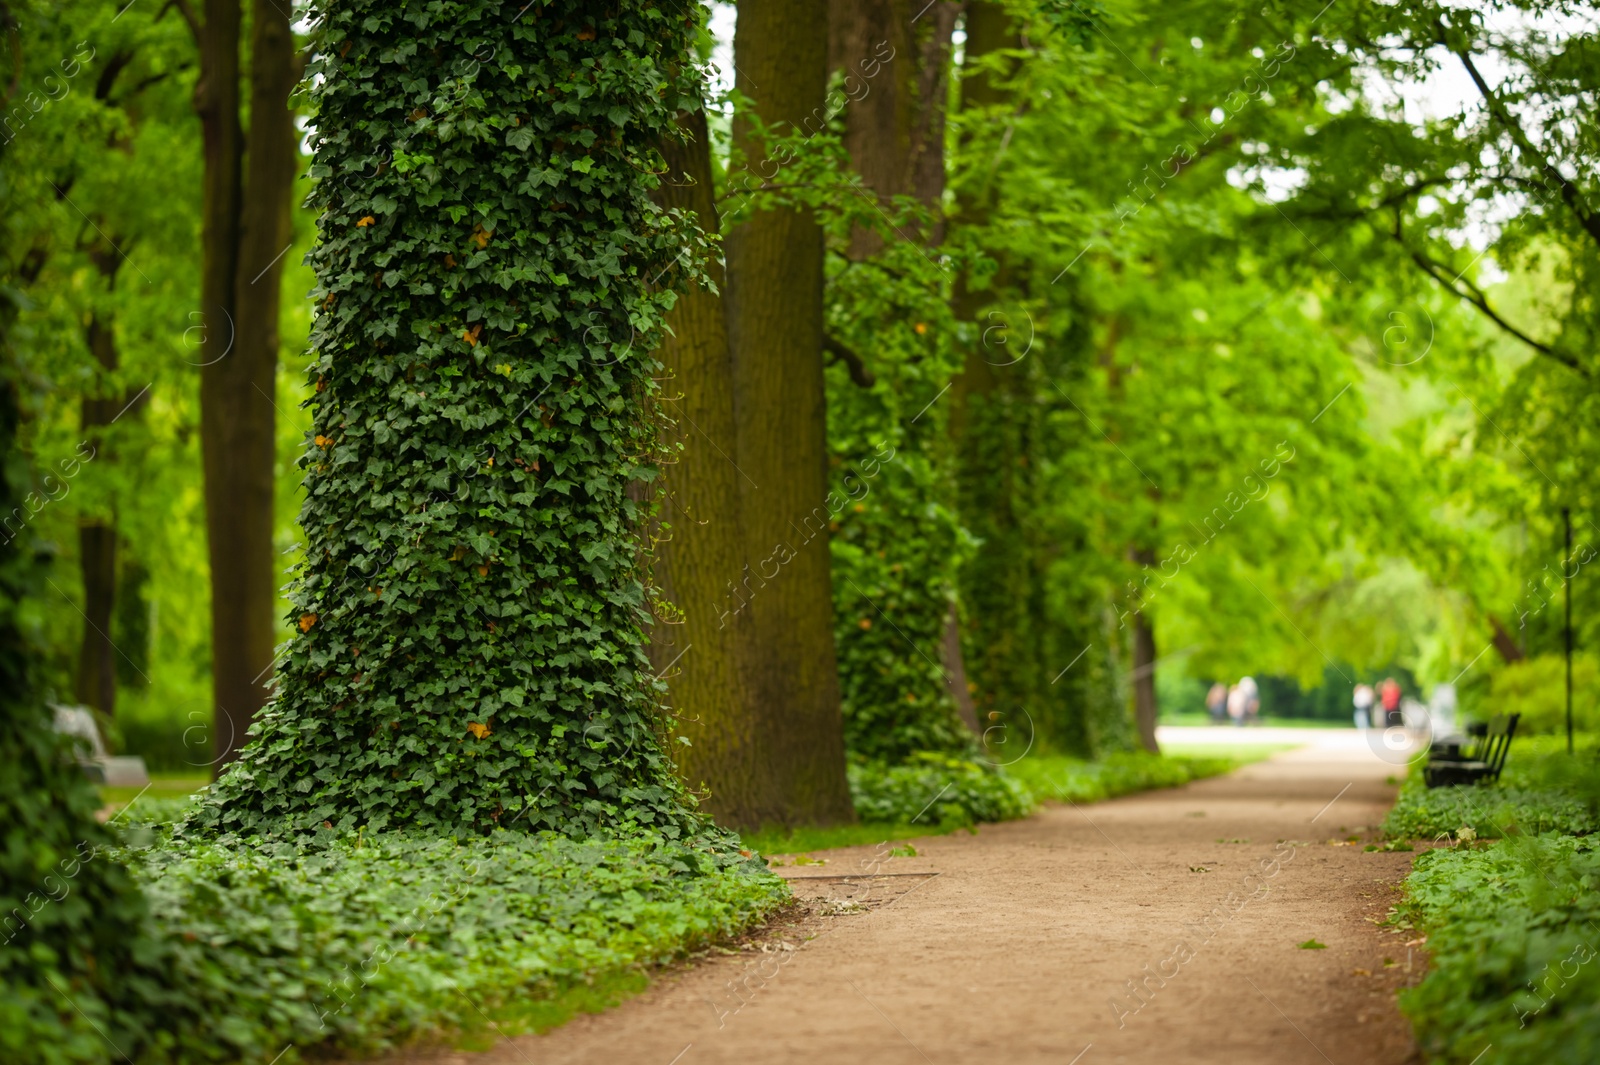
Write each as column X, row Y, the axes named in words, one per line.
column 775, row 327
column 902, row 673
column 701, row 645
column 489, row 287
column 998, row 428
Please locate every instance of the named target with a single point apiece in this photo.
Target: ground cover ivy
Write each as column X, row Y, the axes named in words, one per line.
column 491, row 278
column 375, row 941
column 1510, row 904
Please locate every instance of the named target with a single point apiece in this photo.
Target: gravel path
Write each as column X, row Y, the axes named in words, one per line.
column 1163, row 927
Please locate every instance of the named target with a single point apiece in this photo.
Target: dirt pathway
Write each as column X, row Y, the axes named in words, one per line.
column 1019, row 944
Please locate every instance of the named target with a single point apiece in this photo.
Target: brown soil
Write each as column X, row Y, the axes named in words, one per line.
column 1018, row 944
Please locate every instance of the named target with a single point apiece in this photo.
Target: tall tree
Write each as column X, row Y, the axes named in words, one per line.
column 702, row 643
column 994, row 419
column 894, row 59
column 469, row 652
column 775, row 327
column 249, row 176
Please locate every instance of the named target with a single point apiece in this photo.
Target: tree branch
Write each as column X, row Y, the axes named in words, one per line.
column 1475, row 296
column 853, row 362
column 1569, row 192
column 188, row 16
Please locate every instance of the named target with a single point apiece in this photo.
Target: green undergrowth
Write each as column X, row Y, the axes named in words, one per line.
column 1511, row 909
column 374, row 941
column 1062, row 779
column 1538, row 792
column 769, row 841
column 936, row 794
column 936, row 789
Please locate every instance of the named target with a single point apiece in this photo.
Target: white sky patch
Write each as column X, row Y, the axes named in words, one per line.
column 722, row 20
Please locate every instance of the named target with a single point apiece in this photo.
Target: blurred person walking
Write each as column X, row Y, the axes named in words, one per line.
column 1363, row 701
column 1389, row 692
column 1217, row 703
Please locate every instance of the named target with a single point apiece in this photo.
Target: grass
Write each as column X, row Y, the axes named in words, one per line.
column 162, row 786
column 770, row 841
column 1196, row 719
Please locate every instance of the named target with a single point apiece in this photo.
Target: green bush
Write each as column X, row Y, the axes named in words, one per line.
column 935, row 789
column 1536, row 688
column 1063, row 779
column 1427, row 813
column 69, row 915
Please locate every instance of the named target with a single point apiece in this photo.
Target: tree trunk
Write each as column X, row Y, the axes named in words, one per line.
column 990, row 430
column 244, row 233
column 97, row 537
column 774, row 315
column 701, row 650
column 97, row 657
column 1504, row 642
column 1144, row 669
column 896, row 79
column 955, row 669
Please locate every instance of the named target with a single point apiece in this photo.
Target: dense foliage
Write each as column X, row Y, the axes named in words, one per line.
column 376, row 940
column 489, row 289
column 69, row 913
column 936, row 789
column 1509, row 904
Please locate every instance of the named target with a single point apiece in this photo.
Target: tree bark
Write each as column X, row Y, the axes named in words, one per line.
column 1504, row 642
column 97, row 656
column 96, row 684
column 955, row 668
column 774, row 315
column 702, row 651
column 1144, row 668
column 894, row 123
column 989, row 437
column 244, row 234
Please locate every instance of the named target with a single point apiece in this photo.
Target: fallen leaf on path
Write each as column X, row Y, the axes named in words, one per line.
column 1313, row 944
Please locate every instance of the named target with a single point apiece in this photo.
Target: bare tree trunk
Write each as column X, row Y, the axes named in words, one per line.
column 703, row 651
column 96, row 683
column 245, row 236
column 896, row 67
column 1144, row 681
column 774, row 314
column 955, row 669
column 97, row 657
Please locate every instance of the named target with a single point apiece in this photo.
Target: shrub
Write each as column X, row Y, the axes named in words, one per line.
column 68, row 915
column 1536, row 688
column 368, row 941
column 1063, row 779
column 935, row 789
column 1541, row 790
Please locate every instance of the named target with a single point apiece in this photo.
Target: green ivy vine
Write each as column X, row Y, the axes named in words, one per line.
column 491, row 279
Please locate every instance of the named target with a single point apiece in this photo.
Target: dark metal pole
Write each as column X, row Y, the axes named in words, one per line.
column 1566, row 573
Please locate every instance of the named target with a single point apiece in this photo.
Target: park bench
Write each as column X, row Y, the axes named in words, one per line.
column 1485, row 761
